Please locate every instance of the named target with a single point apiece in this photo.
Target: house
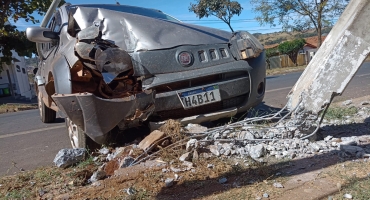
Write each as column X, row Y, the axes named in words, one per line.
column 310, row 48
column 14, row 79
column 308, row 51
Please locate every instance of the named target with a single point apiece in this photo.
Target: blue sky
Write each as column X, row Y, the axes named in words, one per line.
column 179, row 9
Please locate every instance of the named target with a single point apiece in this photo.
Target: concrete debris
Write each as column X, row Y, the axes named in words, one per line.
column 195, row 128
column 185, row 157
column 130, row 191
column 364, row 103
column 126, row 161
column 104, row 151
column 214, row 150
column 151, row 139
column 68, row 157
column 346, row 103
column 169, row 182
column 96, row 184
column 98, row 175
column 257, row 151
column 222, row 180
column 347, row 196
column 210, row 166
column 278, row 185
column 191, row 145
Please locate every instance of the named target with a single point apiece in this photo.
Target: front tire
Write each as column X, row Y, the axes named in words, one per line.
column 47, row 115
column 78, row 138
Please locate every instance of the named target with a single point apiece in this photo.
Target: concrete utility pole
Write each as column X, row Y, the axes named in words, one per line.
column 338, row 59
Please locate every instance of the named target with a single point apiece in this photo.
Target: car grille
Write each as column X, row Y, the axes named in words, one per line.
column 199, row 81
column 180, row 113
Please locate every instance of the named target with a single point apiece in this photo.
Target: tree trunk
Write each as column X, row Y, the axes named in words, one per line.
column 232, row 30
column 319, row 27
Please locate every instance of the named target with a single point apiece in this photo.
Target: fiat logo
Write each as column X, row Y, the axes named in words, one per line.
column 185, row 58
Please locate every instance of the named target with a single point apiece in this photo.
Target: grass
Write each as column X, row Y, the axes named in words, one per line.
column 340, row 112
column 4, row 108
column 284, row 70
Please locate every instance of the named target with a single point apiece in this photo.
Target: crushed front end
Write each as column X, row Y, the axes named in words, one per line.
column 127, row 68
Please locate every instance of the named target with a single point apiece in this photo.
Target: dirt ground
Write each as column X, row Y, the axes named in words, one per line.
column 317, row 177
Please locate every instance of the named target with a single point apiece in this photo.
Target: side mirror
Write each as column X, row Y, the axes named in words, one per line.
column 40, row 34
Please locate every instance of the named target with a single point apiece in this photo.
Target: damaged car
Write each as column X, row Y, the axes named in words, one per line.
column 105, row 67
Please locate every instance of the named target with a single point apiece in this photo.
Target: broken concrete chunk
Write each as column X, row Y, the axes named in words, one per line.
column 126, row 162
column 169, row 182
column 214, row 150
column 68, row 157
column 257, row 151
column 151, row 139
column 185, row 157
column 195, row 128
column 98, row 175
column 364, row 103
column 278, row 185
column 104, row 151
column 346, row 103
column 191, row 145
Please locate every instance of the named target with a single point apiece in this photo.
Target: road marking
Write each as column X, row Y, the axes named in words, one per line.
column 363, row 75
column 33, row 131
column 278, row 89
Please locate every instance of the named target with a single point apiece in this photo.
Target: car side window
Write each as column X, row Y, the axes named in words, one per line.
column 54, row 25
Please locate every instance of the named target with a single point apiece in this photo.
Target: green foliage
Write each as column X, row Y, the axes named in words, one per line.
column 10, row 37
column 222, row 9
column 340, row 112
column 299, row 15
column 291, row 48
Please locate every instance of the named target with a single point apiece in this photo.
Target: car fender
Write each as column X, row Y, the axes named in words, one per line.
column 62, row 76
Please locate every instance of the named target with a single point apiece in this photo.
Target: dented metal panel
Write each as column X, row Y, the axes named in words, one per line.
column 97, row 116
column 336, row 62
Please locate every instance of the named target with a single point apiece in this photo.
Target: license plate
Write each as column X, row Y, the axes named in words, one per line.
column 200, row 96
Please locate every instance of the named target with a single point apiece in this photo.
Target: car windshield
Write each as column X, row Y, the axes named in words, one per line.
column 133, row 10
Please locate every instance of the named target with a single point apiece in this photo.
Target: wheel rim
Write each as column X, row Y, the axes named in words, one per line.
column 73, row 133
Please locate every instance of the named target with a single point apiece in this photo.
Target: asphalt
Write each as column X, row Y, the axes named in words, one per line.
column 27, row 143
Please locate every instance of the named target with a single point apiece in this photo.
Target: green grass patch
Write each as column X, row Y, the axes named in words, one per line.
column 340, row 112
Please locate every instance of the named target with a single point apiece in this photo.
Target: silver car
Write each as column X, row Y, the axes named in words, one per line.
column 106, row 67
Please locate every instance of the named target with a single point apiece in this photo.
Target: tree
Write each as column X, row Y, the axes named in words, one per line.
column 271, row 53
column 299, row 15
column 222, row 9
column 10, row 37
column 291, row 48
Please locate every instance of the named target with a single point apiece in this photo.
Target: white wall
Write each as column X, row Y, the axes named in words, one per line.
column 18, row 75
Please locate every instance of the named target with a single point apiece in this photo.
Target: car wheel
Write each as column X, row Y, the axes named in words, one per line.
column 47, row 115
column 78, row 137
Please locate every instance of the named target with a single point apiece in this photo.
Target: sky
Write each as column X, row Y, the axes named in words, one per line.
column 180, row 10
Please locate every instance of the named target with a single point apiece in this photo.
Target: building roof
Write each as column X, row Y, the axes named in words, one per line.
column 313, row 41
column 310, row 42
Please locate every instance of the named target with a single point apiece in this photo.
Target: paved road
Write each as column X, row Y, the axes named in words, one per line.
column 278, row 87
column 29, row 143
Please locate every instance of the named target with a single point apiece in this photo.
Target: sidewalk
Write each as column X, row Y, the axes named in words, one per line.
column 5, row 100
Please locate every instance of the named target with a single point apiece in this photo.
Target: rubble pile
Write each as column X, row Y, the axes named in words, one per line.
column 236, row 141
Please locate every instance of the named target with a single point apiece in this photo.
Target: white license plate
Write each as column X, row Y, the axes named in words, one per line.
column 200, row 96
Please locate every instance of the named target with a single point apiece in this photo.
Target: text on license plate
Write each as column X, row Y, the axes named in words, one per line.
column 200, row 97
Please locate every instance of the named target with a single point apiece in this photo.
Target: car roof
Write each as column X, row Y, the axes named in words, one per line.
column 148, row 12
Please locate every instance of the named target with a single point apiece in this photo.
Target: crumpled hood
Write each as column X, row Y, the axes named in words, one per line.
column 134, row 32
